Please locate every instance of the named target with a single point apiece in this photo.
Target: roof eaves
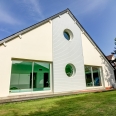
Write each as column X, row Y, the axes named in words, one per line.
column 31, row 27
column 93, row 42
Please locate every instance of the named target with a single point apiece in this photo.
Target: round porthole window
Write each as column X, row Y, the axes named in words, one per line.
column 68, row 34
column 70, row 70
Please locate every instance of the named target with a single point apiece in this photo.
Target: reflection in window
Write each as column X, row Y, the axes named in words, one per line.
column 29, row 76
column 88, row 76
column 20, row 76
column 92, row 75
column 66, row 35
column 41, row 80
column 70, row 70
column 96, row 76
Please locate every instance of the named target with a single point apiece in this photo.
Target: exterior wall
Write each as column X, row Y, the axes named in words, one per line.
column 65, row 52
column 35, row 45
column 93, row 57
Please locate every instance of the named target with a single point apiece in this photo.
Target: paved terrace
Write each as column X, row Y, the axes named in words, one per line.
column 24, row 97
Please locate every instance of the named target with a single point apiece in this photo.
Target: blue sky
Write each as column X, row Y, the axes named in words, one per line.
column 98, row 17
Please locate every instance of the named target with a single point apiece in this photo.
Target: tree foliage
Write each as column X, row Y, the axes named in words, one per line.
column 114, row 52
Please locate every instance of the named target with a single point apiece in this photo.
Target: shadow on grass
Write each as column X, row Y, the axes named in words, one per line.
column 78, row 105
column 89, row 104
column 63, row 107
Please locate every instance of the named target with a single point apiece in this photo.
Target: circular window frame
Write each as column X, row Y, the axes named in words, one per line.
column 74, row 70
column 69, row 32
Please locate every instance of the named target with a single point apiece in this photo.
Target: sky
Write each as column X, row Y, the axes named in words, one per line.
column 98, row 17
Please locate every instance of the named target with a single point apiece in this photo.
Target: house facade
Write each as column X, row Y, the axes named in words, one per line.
column 56, row 55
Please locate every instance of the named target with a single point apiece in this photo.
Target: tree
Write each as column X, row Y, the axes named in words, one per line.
column 114, row 52
column 114, row 47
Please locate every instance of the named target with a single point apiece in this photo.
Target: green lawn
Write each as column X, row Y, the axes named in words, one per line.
column 91, row 104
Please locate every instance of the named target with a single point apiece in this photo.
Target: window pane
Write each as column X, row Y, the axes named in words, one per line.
column 41, row 76
column 96, row 76
column 20, row 76
column 66, row 35
column 88, row 76
column 69, row 70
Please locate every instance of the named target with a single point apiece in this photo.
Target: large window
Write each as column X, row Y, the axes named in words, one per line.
column 29, row 76
column 93, row 76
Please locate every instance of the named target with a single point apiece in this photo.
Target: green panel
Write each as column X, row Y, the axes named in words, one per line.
column 41, row 78
column 29, row 76
column 69, row 70
column 88, row 76
column 20, row 76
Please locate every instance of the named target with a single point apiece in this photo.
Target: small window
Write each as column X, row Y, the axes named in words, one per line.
column 70, row 70
column 68, row 34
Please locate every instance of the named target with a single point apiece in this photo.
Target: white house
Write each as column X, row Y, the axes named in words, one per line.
column 55, row 55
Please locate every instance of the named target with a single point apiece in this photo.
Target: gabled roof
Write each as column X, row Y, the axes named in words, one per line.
column 50, row 19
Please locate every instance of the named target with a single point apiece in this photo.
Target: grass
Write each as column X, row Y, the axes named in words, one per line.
column 91, row 104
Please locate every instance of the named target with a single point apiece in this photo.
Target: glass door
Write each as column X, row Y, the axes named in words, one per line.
column 27, row 76
column 20, row 77
column 88, row 76
column 96, row 76
column 41, row 79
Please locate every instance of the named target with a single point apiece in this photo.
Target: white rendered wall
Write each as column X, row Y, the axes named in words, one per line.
column 34, row 45
column 93, row 57
column 65, row 52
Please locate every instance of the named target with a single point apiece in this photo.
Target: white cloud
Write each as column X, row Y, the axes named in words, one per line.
column 6, row 17
column 89, row 6
column 34, row 8
column 96, row 5
column 37, row 7
column 4, row 30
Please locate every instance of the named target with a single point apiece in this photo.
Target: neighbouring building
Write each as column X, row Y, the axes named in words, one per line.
column 111, row 59
column 55, row 55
